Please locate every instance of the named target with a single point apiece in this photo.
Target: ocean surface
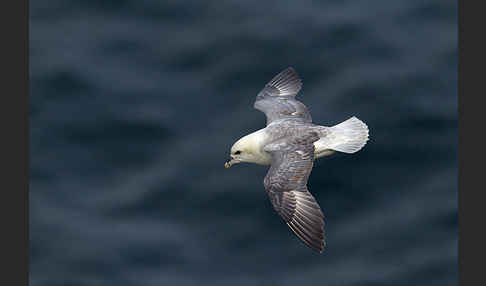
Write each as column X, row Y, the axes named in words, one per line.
column 134, row 106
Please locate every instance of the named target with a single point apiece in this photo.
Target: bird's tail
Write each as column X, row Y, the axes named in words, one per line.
column 348, row 136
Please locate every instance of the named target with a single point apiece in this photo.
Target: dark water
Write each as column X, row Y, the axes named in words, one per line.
column 135, row 104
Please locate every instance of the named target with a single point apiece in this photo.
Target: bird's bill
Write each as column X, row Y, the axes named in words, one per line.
column 230, row 162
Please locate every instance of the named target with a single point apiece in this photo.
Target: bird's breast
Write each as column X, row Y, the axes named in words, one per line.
column 265, row 158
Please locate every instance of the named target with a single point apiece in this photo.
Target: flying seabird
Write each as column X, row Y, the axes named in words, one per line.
column 290, row 143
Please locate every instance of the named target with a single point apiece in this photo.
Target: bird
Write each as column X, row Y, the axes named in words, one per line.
column 290, row 143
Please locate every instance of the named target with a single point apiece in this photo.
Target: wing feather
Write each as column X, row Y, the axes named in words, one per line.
column 286, row 83
column 277, row 98
column 285, row 183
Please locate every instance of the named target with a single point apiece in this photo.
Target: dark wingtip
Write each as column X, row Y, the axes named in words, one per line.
column 321, row 247
column 287, row 82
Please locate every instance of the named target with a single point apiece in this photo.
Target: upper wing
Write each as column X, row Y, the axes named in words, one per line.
column 277, row 98
column 285, row 183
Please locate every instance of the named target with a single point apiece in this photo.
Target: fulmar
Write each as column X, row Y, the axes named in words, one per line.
column 290, row 143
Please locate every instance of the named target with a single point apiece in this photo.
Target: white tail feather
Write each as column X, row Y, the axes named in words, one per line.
column 348, row 137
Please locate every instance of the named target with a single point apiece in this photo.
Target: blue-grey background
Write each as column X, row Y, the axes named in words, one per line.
column 135, row 104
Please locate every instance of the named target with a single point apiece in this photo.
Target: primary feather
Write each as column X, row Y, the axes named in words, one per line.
column 277, row 98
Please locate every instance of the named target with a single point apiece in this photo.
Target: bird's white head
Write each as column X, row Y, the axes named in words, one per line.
column 248, row 149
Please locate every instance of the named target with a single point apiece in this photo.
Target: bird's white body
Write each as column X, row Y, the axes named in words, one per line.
column 348, row 137
column 253, row 143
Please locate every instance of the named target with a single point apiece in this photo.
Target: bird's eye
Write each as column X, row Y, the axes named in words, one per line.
column 237, row 152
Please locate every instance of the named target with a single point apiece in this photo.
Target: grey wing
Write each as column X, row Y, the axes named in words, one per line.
column 277, row 98
column 285, row 183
